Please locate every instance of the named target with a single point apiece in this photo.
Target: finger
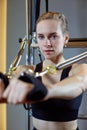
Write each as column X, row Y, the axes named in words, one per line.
column 14, row 96
column 10, row 98
column 9, row 88
column 6, row 92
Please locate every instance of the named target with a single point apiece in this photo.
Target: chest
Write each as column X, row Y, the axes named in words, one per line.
column 52, row 78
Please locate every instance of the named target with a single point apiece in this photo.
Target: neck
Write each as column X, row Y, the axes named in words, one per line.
column 48, row 62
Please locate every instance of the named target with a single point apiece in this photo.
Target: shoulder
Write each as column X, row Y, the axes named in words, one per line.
column 26, row 67
column 78, row 69
column 22, row 68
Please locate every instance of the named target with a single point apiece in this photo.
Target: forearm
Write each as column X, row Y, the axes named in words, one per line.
column 68, row 88
column 33, row 90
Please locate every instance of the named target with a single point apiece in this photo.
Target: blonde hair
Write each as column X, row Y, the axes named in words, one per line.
column 55, row 16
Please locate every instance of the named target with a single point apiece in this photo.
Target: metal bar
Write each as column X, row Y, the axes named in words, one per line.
column 28, row 26
column 71, row 61
column 17, row 59
column 28, row 60
column 64, row 64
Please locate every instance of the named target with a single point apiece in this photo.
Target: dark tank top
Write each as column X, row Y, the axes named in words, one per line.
column 56, row 109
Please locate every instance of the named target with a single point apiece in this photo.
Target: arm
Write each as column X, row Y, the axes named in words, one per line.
column 72, row 86
column 67, row 89
column 22, row 68
column 4, row 80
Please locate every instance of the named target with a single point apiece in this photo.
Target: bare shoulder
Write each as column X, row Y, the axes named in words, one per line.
column 78, row 69
column 25, row 67
column 22, row 68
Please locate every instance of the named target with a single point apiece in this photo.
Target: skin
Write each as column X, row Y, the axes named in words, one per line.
column 51, row 41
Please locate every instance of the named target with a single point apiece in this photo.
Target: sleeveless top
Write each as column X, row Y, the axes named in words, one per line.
column 56, row 109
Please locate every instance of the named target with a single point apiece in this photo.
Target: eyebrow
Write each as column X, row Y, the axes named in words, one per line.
column 53, row 33
column 49, row 33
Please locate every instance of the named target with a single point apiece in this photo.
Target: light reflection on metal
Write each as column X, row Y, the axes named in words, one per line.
column 17, row 59
column 71, row 61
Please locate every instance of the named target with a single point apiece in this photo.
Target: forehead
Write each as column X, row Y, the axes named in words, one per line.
column 48, row 26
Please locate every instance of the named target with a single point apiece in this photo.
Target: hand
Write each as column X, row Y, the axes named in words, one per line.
column 39, row 91
column 2, row 100
column 25, row 89
column 17, row 91
column 1, row 88
column 3, row 84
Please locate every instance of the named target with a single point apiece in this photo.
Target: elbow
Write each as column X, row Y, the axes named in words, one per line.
column 82, row 83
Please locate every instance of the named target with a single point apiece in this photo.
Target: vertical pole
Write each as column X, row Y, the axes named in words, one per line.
column 28, row 26
column 36, row 12
column 46, row 5
column 28, row 57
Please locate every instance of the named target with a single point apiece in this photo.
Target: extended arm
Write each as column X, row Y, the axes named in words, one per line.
column 18, row 91
column 72, row 86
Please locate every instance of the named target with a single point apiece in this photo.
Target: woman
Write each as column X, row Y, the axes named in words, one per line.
column 62, row 91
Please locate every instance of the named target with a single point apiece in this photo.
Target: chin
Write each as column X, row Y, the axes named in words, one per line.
column 49, row 58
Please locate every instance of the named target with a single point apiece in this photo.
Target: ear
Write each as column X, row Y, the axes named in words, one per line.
column 66, row 40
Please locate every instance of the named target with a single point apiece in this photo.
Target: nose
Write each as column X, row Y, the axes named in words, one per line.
column 48, row 42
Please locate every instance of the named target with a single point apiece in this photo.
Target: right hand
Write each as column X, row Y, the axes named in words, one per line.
column 4, row 81
column 17, row 91
column 2, row 87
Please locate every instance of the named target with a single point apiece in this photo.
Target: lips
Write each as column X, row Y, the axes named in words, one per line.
column 48, row 51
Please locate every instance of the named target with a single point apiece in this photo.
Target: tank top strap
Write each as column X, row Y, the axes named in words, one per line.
column 38, row 69
column 65, row 72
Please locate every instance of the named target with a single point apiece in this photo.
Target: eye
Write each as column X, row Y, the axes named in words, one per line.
column 40, row 37
column 53, row 36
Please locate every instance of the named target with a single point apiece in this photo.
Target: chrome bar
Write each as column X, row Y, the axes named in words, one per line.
column 41, row 74
column 17, row 59
column 64, row 64
column 25, row 41
column 71, row 61
column 28, row 60
column 28, row 28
